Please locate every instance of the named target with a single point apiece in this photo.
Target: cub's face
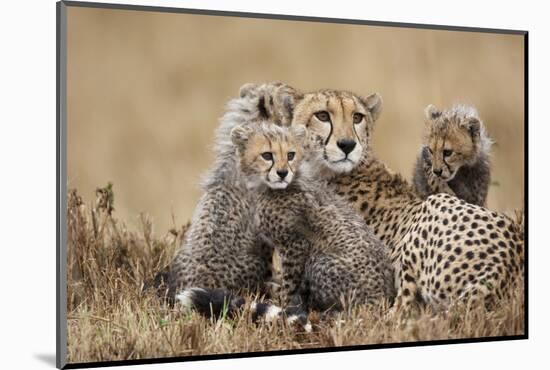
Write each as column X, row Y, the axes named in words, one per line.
column 269, row 154
column 339, row 125
column 451, row 141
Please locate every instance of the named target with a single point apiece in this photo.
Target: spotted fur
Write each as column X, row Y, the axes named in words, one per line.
column 443, row 249
column 328, row 255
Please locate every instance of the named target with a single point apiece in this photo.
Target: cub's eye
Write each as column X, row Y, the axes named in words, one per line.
column 268, row 156
column 447, row 152
column 357, row 117
column 323, row 116
column 430, row 150
column 290, row 155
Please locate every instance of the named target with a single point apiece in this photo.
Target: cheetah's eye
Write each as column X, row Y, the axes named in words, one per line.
column 323, row 116
column 447, row 152
column 290, row 155
column 430, row 151
column 358, row 117
column 268, row 156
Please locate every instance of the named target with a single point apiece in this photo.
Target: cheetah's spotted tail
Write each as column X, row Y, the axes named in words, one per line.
column 210, row 302
column 217, row 302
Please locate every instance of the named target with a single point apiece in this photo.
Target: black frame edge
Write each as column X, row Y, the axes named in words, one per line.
column 226, row 13
column 526, row 180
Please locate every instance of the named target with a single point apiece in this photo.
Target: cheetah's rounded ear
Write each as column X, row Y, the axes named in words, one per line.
column 248, row 90
column 374, row 105
column 299, row 132
column 240, row 135
column 473, row 124
column 432, row 112
column 282, row 102
column 289, row 97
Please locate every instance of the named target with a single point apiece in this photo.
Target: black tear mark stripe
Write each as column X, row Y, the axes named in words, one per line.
column 444, row 160
column 291, row 171
column 272, row 161
column 288, row 162
column 330, row 123
column 359, row 103
column 290, row 166
column 330, row 133
column 446, row 165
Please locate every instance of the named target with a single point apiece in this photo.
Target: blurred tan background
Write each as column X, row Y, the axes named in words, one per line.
column 145, row 91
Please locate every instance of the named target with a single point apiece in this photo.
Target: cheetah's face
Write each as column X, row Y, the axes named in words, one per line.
column 269, row 154
column 452, row 140
column 339, row 125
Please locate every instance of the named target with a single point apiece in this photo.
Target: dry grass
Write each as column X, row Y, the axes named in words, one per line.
column 109, row 318
column 145, row 90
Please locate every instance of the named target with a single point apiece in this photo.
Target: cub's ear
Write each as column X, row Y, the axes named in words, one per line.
column 240, row 135
column 276, row 100
column 248, row 90
column 374, row 105
column 473, row 125
column 279, row 101
column 286, row 100
column 299, row 132
column 432, row 112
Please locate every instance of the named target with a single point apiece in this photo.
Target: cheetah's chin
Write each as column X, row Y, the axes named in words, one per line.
column 342, row 166
column 448, row 178
column 278, row 185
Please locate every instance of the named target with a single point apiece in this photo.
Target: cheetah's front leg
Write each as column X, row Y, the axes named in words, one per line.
column 274, row 284
column 293, row 258
column 407, row 288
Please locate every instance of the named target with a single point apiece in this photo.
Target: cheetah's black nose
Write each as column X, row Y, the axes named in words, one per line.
column 438, row 172
column 282, row 173
column 347, row 145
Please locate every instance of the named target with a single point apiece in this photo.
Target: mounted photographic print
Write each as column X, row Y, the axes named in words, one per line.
column 236, row 184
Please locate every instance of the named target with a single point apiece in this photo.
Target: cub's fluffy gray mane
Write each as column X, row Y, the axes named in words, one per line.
column 238, row 111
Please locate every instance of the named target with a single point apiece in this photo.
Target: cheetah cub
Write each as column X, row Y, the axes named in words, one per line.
column 328, row 254
column 455, row 156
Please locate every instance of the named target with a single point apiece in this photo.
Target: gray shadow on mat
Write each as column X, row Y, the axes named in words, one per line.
column 47, row 358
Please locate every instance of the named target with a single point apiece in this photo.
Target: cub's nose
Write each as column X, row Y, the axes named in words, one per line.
column 347, row 145
column 438, row 172
column 282, row 173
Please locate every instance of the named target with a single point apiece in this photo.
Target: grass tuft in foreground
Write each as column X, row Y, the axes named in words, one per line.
column 109, row 318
